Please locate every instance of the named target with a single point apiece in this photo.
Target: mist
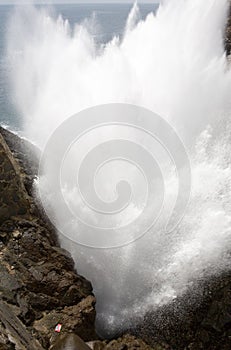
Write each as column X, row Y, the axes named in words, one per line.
column 174, row 64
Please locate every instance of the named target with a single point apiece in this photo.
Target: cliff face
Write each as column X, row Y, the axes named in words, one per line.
column 228, row 35
column 39, row 285
column 13, row 197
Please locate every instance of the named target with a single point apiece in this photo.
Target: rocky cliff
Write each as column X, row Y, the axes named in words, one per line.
column 39, row 284
column 40, row 287
column 228, row 35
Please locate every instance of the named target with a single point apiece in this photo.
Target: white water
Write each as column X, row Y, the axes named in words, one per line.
column 174, row 64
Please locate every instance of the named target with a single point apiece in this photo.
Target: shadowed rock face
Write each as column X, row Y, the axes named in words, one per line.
column 39, row 285
column 13, row 196
column 228, row 35
column 27, row 157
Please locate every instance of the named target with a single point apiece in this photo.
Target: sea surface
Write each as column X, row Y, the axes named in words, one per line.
column 108, row 20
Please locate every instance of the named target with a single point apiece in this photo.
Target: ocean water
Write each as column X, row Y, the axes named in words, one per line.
column 104, row 21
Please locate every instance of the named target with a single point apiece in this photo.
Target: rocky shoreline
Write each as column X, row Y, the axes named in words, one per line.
column 40, row 287
column 39, row 284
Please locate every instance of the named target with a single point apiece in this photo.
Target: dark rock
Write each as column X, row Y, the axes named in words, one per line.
column 39, row 284
column 77, row 319
column 27, row 156
column 200, row 319
column 127, row 342
column 11, row 184
column 228, row 35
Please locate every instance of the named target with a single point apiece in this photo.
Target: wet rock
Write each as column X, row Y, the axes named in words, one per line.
column 200, row 319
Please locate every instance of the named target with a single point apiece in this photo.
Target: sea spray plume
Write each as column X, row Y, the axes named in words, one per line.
column 158, row 64
column 174, row 64
column 133, row 18
column 112, row 192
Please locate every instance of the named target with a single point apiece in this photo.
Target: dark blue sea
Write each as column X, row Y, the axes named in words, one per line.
column 110, row 17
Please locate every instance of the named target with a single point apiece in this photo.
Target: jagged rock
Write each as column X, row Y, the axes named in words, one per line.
column 13, row 196
column 27, row 156
column 127, row 342
column 228, row 35
column 77, row 319
column 39, row 284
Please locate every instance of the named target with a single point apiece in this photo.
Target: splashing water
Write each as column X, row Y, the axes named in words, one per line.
column 174, row 64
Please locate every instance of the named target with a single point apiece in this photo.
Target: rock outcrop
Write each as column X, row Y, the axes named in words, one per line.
column 228, row 35
column 39, row 284
column 127, row 342
column 40, row 287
